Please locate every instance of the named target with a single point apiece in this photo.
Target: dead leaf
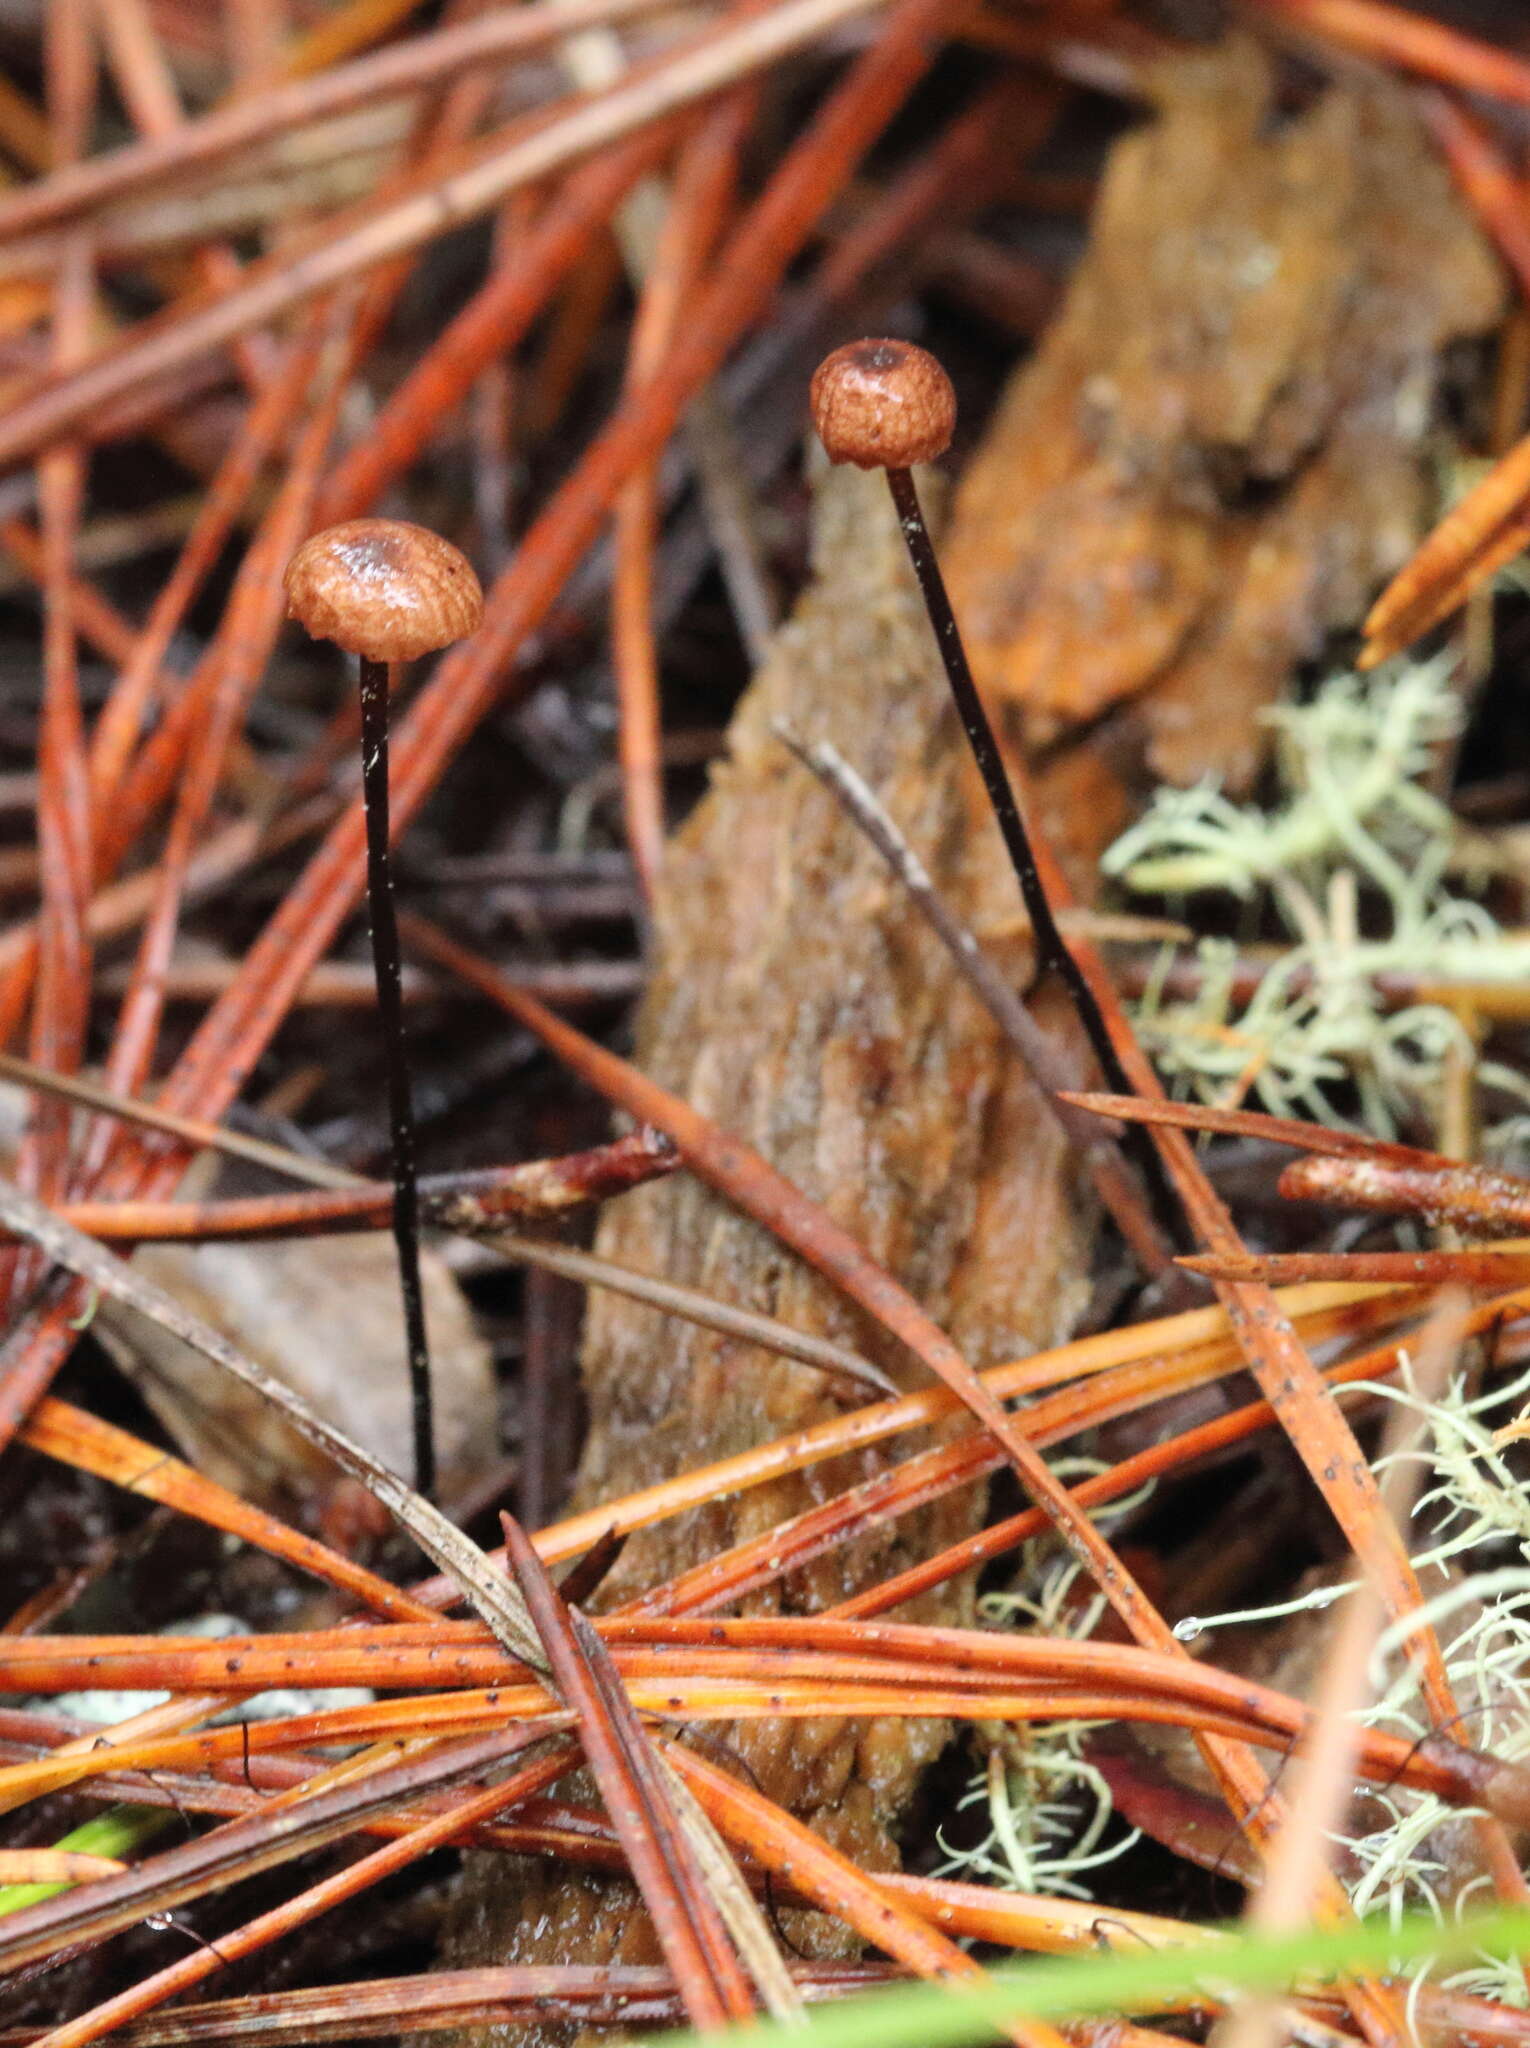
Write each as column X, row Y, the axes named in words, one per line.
column 321, row 1314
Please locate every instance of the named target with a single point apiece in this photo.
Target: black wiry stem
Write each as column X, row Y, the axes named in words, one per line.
column 386, row 967
column 1051, row 947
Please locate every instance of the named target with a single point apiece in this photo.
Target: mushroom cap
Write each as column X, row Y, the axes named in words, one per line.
column 383, row 589
column 883, row 405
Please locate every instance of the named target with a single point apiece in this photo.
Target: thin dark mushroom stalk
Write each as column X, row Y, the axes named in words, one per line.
column 389, row 592
column 885, row 404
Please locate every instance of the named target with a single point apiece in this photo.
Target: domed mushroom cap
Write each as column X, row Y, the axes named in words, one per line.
column 883, row 405
column 383, row 589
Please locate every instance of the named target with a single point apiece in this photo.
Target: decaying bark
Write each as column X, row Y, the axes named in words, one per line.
column 1217, row 452
column 1229, row 437
column 800, row 1003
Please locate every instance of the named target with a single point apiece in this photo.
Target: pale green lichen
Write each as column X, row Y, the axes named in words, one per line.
column 1047, row 1805
column 1474, row 1567
column 1348, row 763
column 1353, row 861
column 1048, row 1810
column 1473, row 1561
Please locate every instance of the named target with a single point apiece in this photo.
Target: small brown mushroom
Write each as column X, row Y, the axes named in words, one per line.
column 388, row 591
column 383, row 589
column 883, row 405
column 887, row 405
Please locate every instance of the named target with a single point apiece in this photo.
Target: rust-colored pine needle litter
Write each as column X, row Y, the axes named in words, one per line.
column 388, row 592
column 887, row 405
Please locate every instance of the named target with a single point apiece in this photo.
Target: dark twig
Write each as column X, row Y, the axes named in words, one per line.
column 374, row 683
column 1051, row 947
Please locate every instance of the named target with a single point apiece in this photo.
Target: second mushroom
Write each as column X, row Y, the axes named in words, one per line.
column 388, row 592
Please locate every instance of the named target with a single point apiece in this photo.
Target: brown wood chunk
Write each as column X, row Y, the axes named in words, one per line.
column 1225, row 442
column 800, row 1003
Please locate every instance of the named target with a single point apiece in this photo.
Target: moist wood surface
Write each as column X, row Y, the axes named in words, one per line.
column 798, row 1002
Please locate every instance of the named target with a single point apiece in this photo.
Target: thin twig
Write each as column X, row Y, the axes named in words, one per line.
column 458, row 1213
column 1048, row 1065
column 474, row 1202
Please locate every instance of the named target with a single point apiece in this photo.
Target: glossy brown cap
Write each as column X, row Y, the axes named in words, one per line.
column 883, row 405
column 383, row 589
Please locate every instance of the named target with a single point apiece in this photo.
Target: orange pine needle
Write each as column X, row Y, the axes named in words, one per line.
column 1412, row 42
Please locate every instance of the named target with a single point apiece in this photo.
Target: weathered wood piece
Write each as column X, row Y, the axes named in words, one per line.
column 801, row 1003
column 1231, row 434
